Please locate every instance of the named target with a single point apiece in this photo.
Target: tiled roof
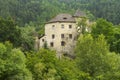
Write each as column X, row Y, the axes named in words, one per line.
column 62, row 18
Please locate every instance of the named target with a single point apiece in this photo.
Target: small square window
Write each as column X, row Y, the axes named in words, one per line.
column 70, row 36
column 51, row 44
column 53, row 26
column 62, row 26
column 70, row 26
column 62, row 36
column 43, row 40
column 62, row 43
column 53, row 36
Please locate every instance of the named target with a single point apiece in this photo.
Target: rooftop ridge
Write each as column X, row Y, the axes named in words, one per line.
column 62, row 17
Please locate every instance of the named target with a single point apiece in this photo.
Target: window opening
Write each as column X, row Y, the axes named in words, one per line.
column 70, row 26
column 53, row 36
column 62, row 43
column 53, row 26
column 43, row 40
column 62, row 36
column 70, row 36
column 64, row 18
column 51, row 44
column 62, row 26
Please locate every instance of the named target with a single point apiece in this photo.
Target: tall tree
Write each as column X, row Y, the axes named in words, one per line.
column 110, row 31
column 12, row 65
column 94, row 59
column 9, row 32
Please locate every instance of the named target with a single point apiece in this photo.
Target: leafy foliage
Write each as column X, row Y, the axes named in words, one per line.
column 45, row 65
column 9, row 32
column 25, row 11
column 94, row 59
column 12, row 65
column 40, row 11
column 110, row 31
column 107, row 9
column 27, row 34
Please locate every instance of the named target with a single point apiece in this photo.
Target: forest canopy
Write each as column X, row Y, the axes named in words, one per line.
column 40, row 11
column 96, row 54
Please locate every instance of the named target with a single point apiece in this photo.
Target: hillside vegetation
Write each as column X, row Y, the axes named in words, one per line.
column 97, row 54
column 40, row 11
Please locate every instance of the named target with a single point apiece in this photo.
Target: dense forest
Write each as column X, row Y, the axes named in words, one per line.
column 97, row 54
column 40, row 11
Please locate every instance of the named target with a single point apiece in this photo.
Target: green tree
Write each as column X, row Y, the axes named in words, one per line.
column 44, row 65
column 12, row 65
column 28, row 38
column 110, row 32
column 67, row 70
column 9, row 32
column 115, row 45
column 82, row 23
column 93, row 58
column 103, row 27
column 113, row 73
column 41, row 64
